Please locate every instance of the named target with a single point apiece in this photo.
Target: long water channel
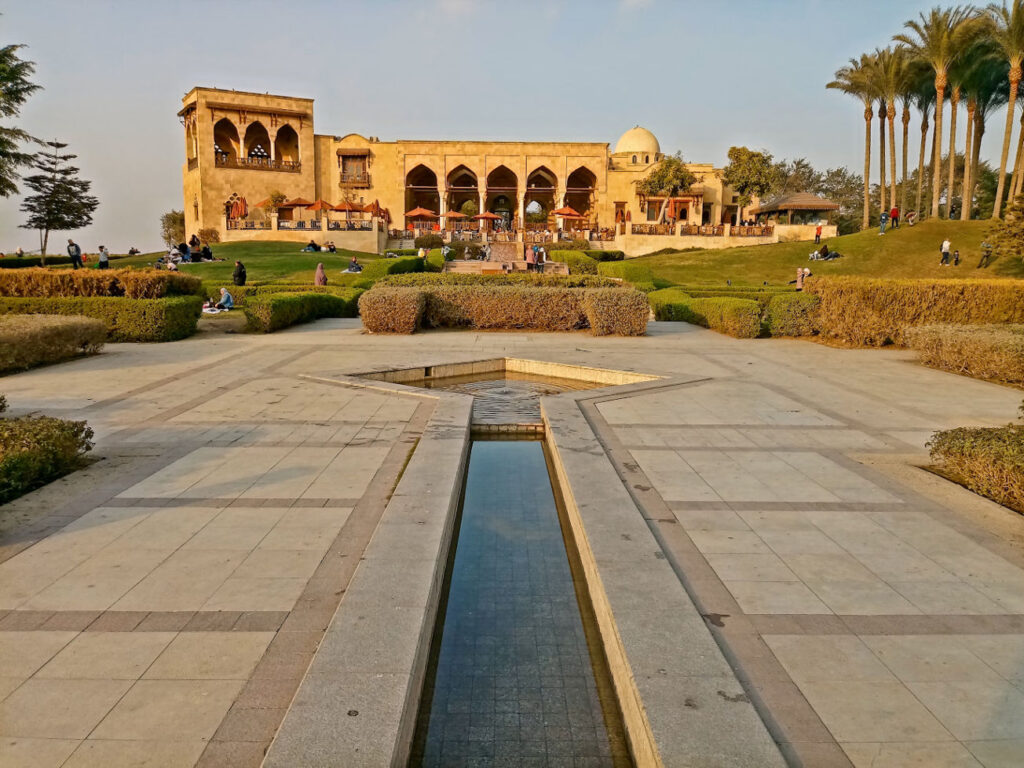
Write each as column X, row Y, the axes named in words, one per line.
column 517, row 675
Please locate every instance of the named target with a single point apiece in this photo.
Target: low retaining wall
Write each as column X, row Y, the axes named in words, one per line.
column 639, row 245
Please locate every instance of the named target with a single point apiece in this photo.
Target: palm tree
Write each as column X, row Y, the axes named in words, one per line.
column 891, row 74
column 881, row 153
column 987, row 83
column 939, row 39
column 922, row 93
column 855, row 80
column 1006, row 29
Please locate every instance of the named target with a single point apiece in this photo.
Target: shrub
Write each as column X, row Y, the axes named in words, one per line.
column 209, row 235
column 508, row 278
column 579, row 263
column 792, row 314
column 434, row 261
column 35, row 450
column 387, row 309
column 874, row 312
column 574, row 245
column 376, row 269
column 429, row 241
column 505, row 306
column 166, row 319
column 13, row 262
column 601, row 255
column 272, row 312
column 29, row 340
column 989, row 461
column 615, row 311
column 994, row 352
column 627, row 270
column 736, row 317
column 133, row 283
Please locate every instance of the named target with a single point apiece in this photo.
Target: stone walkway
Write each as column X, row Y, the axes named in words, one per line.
column 166, row 602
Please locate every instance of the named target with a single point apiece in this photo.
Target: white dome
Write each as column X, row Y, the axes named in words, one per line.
column 638, row 140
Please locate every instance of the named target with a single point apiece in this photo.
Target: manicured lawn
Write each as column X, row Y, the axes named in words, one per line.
column 906, row 252
column 264, row 261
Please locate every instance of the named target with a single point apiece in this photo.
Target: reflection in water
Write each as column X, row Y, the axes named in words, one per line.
column 513, row 679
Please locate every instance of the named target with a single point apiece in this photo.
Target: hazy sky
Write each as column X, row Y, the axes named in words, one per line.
column 701, row 75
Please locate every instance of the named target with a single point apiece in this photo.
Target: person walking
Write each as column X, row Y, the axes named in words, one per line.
column 946, row 245
column 894, row 217
column 320, row 278
column 986, row 254
column 956, row 258
column 104, row 258
column 817, row 235
column 883, row 220
column 75, row 252
column 238, row 276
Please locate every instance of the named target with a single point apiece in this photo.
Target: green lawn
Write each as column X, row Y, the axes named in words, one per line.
column 264, row 261
column 906, row 252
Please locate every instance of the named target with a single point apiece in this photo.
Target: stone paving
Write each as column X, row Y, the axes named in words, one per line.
column 164, row 604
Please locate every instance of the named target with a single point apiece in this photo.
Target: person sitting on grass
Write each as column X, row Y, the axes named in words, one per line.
column 206, row 253
column 354, row 265
column 226, row 301
column 331, row 247
column 312, row 247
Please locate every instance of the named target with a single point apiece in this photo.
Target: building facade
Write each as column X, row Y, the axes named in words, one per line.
column 243, row 149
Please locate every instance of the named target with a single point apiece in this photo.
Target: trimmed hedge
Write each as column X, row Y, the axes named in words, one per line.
column 602, row 255
column 30, row 340
column 37, row 449
column 615, row 311
column 629, row 271
column 989, row 461
column 13, row 262
column 736, row 317
column 132, row 283
column 578, row 262
column 391, row 309
column 272, row 312
column 376, row 269
column 509, row 278
column 994, row 352
column 792, row 314
column 874, row 312
column 166, row 319
column 387, row 309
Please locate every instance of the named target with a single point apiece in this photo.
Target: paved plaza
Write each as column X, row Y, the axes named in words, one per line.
column 184, row 600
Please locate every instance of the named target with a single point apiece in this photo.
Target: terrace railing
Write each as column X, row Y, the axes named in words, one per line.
column 245, row 224
column 351, row 226
column 758, row 231
column 300, row 225
column 257, row 163
column 354, row 179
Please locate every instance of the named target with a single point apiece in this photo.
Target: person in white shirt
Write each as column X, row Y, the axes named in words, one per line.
column 946, row 245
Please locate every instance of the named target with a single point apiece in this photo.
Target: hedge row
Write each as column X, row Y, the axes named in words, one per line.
column 167, row 319
column 35, row 450
column 30, row 340
column 377, row 268
column 508, row 278
column 994, row 352
column 13, row 262
column 273, row 311
column 736, row 317
column 64, row 283
column 989, row 461
column 395, row 309
column 579, row 263
column 792, row 314
column 629, row 271
column 874, row 312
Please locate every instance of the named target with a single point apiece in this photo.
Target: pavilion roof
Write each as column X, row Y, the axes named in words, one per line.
column 798, row 201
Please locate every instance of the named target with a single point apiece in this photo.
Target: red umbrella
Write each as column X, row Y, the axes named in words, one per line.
column 454, row 215
column 298, row 202
column 321, row 205
column 244, row 206
column 374, row 208
column 420, row 213
column 488, row 216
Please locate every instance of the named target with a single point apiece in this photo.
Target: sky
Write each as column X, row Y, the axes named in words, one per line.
column 703, row 75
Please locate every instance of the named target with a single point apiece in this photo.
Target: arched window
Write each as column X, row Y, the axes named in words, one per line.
column 634, row 159
column 225, row 141
column 647, row 158
column 286, row 145
column 257, row 142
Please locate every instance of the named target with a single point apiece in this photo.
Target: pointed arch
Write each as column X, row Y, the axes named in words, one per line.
column 539, row 199
column 286, row 145
column 541, row 177
column 502, row 177
column 421, row 189
column 257, row 142
column 461, row 176
column 225, row 140
column 421, row 176
column 580, row 190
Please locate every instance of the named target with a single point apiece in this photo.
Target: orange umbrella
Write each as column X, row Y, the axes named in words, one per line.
column 298, row 202
column 373, row 208
column 488, row 216
column 321, row 205
column 262, row 203
column 454, row 215
column 346, row 206
column 567, row 211
column 420, row 213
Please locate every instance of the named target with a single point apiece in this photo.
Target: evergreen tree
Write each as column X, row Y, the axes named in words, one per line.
column 15, row 88
column 61, row 200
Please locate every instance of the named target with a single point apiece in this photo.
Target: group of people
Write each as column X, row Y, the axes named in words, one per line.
column 536, row 257
column 824, row 254
column 192, row 251
column 892, row 219
column 77, row 261
column 312, row 247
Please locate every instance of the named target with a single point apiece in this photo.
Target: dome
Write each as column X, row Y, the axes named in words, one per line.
column 638, row 140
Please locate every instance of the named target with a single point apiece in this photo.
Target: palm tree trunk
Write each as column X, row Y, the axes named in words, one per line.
column 1015, row 176
column 906, row 137
column 1016, row 189
column 966, row 198
column 954, row 107
column 881, row 157
column 940, row 94
column 1015, row 75
column 979, row 134
column 920, row 160
column 891, row 115
column 868, row 114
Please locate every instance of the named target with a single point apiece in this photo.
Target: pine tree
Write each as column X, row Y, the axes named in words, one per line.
column 15, row 88
column 61, row 200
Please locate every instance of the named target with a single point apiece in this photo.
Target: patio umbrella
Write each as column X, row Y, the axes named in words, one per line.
column 488, row 216
column 298, row 202
column 320, row 205
column 243, row 207
column 420, row 213
column 374, row 209
column 454, row 215
column 348, row 207
column 567, row 212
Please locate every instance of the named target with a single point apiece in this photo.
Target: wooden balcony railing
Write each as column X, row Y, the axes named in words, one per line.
column 307, row 225
column 351, row 226
column 257, row 163
column 354, row 179
column 765, row 231
column 653, row 229
column 245, row 224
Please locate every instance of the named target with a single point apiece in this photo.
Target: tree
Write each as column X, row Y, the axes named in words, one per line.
column 843, row 187
column 1007, row 237
column 1005, row 28
column 939, row 39
column 855, row 80
column 15, row 88
column 61, row 200
column 790, row 176
column 988, row 82
column 891, row 77
column 668, row 179
column 749, row 173
column 172, row 227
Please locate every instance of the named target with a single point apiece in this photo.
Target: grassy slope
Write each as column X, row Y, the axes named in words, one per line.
column 906, row 252
column 278, row 261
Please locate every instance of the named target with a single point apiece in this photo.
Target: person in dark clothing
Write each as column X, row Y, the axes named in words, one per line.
column 194, row 247
column 986, row 255
column 238, row 276
column 184, row 251
column 75, row 252
column 207, row 253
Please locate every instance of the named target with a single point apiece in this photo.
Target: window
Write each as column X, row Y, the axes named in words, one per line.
column 647, row 158
column 653, row 209
column 634, row 159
